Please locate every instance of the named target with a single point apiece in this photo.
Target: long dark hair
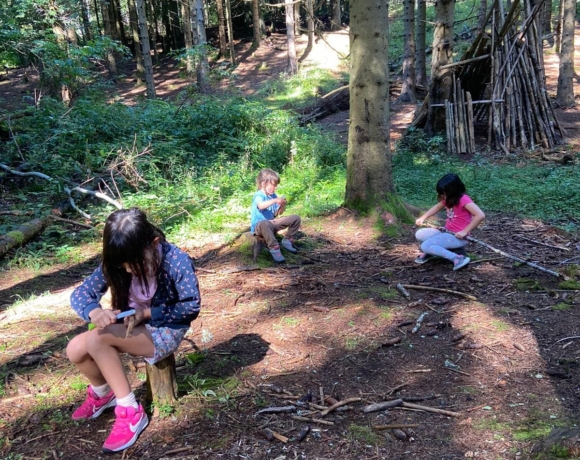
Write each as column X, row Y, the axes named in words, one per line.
column 127, row 238
column 451, row 189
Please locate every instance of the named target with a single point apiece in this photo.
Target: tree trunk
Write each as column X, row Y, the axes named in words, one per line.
column 86, row 22
column 292, row 63
column 481, row 16
column 144, row 39
column 369, row 171
column 119, row 26
column 221, row 27
column 297, row 20
column 154, row 24
column 230, row 32
column 441, row 80
column 162, row 380
column 408, row 87
column 310, row 22
column 96, row 5
column 22, row 234
column 256, row 21
column 420, row 61
column 547, row 20
column 565, row 94
column 140, row 73
column 335, row 22
column 559, row 26
column 201, row 41
column 107, row 27
column 187, row 19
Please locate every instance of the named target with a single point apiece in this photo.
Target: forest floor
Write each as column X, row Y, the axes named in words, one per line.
column 490, row 350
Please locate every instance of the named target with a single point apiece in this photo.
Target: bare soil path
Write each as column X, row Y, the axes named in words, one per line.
column 489, row 350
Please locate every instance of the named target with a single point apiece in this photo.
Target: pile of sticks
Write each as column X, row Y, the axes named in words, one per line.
column 505, row 67
column 459, row 121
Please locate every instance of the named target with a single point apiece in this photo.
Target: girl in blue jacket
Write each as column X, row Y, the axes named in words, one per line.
column 156, row 280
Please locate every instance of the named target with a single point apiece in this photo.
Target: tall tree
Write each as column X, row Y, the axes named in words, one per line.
column 230, row 31
column 421, row 48
column 86, row 22
column 310, row 22
column 481, row 15
column 256, row 23
column 144, row 39
column 408, row 88
column 221, row 27
column 108, row 30
column 186, row 17
column 335, row 20
column 134, row 23
column 369, row 179
column 565, row 93
column 291, row 63
column 200, row 41
column 441, row 78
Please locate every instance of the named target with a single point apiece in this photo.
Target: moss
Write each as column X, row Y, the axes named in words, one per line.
column 570, row 284
column 15, row 235
column 562, row 306
column 526, row 284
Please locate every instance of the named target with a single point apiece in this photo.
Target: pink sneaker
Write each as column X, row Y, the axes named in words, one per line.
column 128, row 426
column 93, row 405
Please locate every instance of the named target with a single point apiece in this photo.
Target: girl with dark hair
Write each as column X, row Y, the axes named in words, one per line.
column 463, row 215
column 157, row 282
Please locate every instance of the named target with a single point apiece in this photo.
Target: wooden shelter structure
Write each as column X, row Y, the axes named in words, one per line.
column 499, row 87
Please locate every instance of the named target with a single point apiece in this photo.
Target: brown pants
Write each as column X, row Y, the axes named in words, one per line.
column 267, row 228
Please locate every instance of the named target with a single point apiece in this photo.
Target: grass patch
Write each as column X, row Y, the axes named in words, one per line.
column 573, row 285
column 526, row 284
column 363, row 434
column 562, row 306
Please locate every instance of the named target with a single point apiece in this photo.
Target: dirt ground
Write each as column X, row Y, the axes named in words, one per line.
column 494, row 363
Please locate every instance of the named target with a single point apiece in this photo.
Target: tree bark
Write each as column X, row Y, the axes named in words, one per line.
column 310, row 22
column 187, row 19
column 107, row 27
column 221, row 27
column 140, row 73
column 144, row 39
column 408, row 87
column 336, row 21
column 369, row 170
column 119, row 26
column 256, row 22
column 22, row 234
column 86, row 23
column 162, row 381
column 481, row 16
column 565, row 93
column 420, row 61
column 441, row 79
column 230, row 31
column 200, row 40
column 291, row 63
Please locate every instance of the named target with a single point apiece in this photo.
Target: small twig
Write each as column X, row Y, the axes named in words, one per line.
column 311, row 420
column 396, row 425
column 68, row 221
column 344, row 402
column 574, row 337
column 542, row 244
column 403, row 291
column 449, row 291
column 419, row 321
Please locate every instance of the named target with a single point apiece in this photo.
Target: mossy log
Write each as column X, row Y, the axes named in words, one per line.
column 22, row 234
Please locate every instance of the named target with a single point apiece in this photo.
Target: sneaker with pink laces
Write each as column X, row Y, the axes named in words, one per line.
column 93, row 405
column 128, row 426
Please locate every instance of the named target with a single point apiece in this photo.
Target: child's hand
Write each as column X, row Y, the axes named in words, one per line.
column 139, row 316
column 102, row 318
column 420, row 221
column 461, row 235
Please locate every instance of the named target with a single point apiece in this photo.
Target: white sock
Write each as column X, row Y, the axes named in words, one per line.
column 101, row 390
column 128, row 401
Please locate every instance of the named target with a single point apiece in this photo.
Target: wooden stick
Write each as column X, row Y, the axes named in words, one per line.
column 382, row 406
column 449, row 291
column 403, row 291
column 344, row 402
column 396, row 425
column 419, row 321
column 312, row 420
column 431, row 409
column 542, row 244
column 130, row 326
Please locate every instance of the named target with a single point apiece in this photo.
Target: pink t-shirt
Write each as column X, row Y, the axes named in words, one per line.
column 458, row 217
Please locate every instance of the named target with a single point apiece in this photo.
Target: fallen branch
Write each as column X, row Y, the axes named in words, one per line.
column 311, row 420
column 382, row 406
column 344, row 402
column 22, row 234
column 542, row 244
column 403, row 291
column 419, row 321
column 574, row 337
column 449, row 291
column 431, row 409
column 276, row 410
column 391, row 427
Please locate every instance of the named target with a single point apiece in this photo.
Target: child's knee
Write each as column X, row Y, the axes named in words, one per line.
column 76, row 349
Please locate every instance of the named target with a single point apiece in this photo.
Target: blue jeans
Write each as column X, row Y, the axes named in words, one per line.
column 436, row 243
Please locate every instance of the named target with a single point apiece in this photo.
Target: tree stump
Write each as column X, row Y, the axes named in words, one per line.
column 162, row 382
column 257, row 243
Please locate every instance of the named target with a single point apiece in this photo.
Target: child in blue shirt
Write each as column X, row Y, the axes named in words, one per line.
column 266, row 207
